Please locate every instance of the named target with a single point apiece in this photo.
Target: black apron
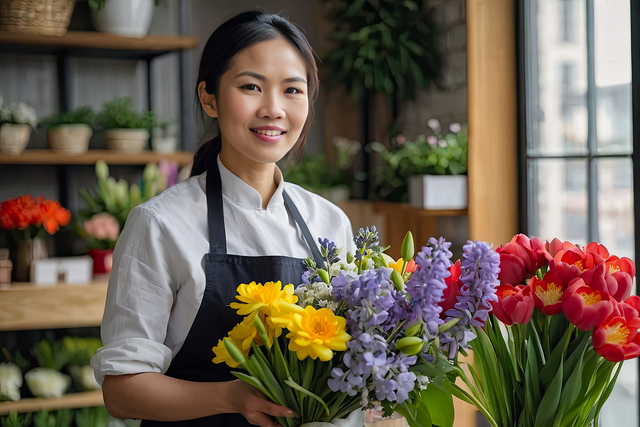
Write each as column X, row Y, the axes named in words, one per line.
column 215, row 318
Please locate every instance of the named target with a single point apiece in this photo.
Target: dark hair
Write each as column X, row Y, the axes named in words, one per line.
column 229, row 39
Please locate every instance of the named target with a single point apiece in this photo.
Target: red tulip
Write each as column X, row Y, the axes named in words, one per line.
column 450, row 296
column 556, row 245
column 617, row 338
column 585, row 306
column 514, row 305
column 512, row 267
column 547, row 293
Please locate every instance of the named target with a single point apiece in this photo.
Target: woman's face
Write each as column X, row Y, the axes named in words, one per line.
column 262, row 103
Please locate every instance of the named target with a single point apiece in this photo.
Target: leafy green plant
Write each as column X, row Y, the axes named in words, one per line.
column 313, row 173
column 50, row 354
column 92, row 417
column 80, row 350
column 44, row 419
column 16, row 420
column 82, row 115
column 436, row 154
column 119, row 114
column 384, row 46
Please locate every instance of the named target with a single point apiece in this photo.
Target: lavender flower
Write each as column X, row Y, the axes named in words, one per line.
column 479, row 275
column 365, row 240
column 329, row 251
column 426, row 286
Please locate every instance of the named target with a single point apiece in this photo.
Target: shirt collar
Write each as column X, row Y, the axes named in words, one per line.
column 242, row 193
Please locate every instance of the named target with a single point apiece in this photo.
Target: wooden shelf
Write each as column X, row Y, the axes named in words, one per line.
column 27, row 306
column 68, row 401
column 50, row 157
column 96, row 44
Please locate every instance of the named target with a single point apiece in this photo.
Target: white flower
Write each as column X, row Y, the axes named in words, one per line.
column 423, row 382
column 45, row 382
column 84, row 378
column 455, row 127
column 24, row 113
column 10, row 380
column 434, row 124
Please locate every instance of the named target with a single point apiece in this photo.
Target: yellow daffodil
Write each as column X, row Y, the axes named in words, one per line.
column 397, row 265
column 314, row 333
column 242, row 335
column 256, row 296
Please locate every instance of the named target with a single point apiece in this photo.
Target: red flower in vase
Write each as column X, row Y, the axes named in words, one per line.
column 547, row 292
column 617, row 338
column 450, row 295
column 587, row 305
column 514, row 305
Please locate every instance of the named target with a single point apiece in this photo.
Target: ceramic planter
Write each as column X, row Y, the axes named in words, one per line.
column 102, row 260
column 14, row 138
column 127, row 140
column 69, row 139
column 438, row 191
column 130, row 18
column 164, row 144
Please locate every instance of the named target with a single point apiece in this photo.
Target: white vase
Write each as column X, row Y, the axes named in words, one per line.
column 164, row 144
column 438, row 191
column 355, row 419
column 127, row 140
column 69, row 139
column 130, row 18
column 14, row 138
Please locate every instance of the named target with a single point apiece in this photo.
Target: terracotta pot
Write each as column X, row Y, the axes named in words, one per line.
column 102, row 260
column 27, row 251
column 14, row 138
column 69, row 139
column 127, row 140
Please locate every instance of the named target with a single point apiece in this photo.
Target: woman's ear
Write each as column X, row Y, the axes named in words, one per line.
column 207, row 100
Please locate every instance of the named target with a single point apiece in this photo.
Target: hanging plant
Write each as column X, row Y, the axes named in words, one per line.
column 383, row 46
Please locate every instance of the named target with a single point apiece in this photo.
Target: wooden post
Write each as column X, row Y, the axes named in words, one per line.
column 493, row 132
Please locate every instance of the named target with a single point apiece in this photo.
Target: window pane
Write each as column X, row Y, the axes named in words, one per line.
column 615, row 206
column 559, row 204
column 556, row 75
column 613, row 75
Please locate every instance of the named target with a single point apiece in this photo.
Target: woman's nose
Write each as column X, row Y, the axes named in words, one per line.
column 272, row 107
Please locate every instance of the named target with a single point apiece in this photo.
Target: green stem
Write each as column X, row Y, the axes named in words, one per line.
column 466, row 397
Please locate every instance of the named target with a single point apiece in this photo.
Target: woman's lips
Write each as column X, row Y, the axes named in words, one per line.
column 268, row 138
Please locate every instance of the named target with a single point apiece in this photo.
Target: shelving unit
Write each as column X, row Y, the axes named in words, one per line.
column 86, row 399
column 28, row 306
column 49, row 157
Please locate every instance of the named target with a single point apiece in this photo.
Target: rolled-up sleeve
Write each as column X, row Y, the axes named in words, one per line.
column 140, row 296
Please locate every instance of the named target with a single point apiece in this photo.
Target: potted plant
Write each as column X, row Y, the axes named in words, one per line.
column 100, row 233
column 164, row 138
column 130, row 18
column 126, row 130
column 433, row 167
column 69, row 132
column 80, row 351
column 16, row 121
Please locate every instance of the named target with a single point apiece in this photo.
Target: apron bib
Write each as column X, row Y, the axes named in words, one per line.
column 215, row 318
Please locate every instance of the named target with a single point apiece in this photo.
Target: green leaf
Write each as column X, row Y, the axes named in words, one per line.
column 549, row 403
column 571, row 389
column 303, row 390
column 438, row 398
column 418, row 416
column 254, row 382
column 548, row 371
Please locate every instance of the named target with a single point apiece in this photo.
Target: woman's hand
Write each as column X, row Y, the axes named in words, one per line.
column 253, row 405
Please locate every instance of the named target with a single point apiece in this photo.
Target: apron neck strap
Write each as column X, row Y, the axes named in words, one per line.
column 215, row 216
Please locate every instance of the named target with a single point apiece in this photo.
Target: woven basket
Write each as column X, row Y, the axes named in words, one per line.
column 45, row 17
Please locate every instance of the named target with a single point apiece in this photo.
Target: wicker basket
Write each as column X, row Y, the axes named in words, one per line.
column 45, row 17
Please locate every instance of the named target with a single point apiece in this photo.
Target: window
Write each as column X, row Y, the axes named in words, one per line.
column 578, row 138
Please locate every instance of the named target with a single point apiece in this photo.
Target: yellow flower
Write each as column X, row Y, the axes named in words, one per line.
column 265, row 297
column 241, row 335
column 397, row 265
column 315, row 333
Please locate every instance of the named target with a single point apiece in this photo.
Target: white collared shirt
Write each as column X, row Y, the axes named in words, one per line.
column 158, row 278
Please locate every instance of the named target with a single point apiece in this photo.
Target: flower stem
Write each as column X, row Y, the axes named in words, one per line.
column 466, row 397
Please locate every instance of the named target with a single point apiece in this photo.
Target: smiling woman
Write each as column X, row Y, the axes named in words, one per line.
column 182, row 255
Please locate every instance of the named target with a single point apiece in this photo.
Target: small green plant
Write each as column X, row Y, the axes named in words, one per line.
column 437, row 154
column 119, row 114
column 44, row 419
column 80, row 350
column 82, row 115
column 16, row 420
column 50, row 354
column 92, row 417
column 313, row 173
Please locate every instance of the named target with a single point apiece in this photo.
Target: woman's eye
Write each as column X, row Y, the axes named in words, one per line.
column 250, row 87
column 293, row 90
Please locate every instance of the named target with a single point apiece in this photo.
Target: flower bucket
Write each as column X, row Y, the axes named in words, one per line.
column 438, row 191
column 127, row 140
column 129, row 18
column 29, row 250
column 102, row 260
column 14, row 138
column 44, row 17
column 69, row 139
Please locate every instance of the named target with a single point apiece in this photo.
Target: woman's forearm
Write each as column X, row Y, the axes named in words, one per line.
column 153, row 396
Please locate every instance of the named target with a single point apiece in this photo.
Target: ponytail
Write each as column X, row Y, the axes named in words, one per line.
column 206, row 155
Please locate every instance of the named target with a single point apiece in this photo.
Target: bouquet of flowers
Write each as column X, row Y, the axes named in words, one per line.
column 32, row 216
column 100, row 231
column 371, row 332
column 552, row 349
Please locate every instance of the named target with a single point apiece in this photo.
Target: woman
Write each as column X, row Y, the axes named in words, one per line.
column 182, row 254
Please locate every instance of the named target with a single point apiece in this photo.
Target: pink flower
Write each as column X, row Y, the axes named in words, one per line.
column 102, row 226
